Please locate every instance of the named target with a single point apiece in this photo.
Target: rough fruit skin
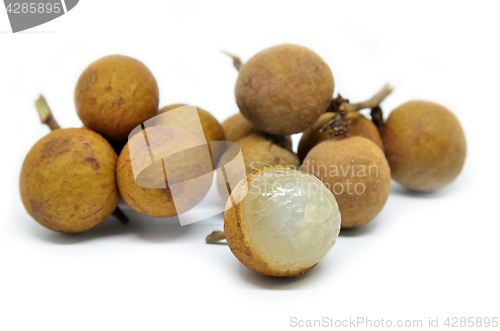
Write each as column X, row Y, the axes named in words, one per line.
column 284, row 89
column 237, row 127
column 258, row 150
column 211, row 127
column 115, row 94
column 332, row 161
column 425, row 145
column 158, row 202
column 67, row 180
column 238, row 238
column 360, row 126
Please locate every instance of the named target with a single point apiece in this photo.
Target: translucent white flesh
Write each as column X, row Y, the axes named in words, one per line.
column 292, row 219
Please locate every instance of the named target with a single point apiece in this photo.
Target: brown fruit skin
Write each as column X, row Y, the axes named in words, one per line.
column 237, row 127
column 425, row 145
column 258, row 150
column 356, row 209
column 158, row 202
column 67, row 180
column 114, row 95
column 284, row 89
column 212, row 129
column 236, row 235
column 360, row 126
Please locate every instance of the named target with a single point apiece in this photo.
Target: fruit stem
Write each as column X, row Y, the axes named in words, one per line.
column 118, row 213
column 378, row 119
column 236, row 60
column 45, row 113
column 346, row 107
column 215, row 237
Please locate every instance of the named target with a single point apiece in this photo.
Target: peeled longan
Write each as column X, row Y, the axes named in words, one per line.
column 150, row 192
column 284, row 222
column 284, row 89
column 211, row 128
column 258, row 150
column 114, row 95
column 425, row 145
column 359, row 126
column 67, row 180
column 356, row 172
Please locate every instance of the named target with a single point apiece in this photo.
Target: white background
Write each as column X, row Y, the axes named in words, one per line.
column 425, row 255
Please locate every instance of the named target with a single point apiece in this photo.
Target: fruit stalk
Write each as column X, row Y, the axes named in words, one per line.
column 45, row 114
column 236, row 60
column 46, row 117
column 345, row 107
column 215, row 237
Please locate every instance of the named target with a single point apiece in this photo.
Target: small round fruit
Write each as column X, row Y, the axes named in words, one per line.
column 151, row 193
column 285, row 222
column 114, row 95
column 360, row 126
column 356, row 172
column 67, row 180
column 258, row 150
column 211, row 128
column 425, row 145
column 237, row 127
column 284, row 89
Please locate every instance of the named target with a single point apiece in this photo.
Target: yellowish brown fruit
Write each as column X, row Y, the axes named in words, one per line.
column 211, row 127
column 356, row 172
column 425, row 145
column 114, row 95
column 258, row 150
column 284, row 89
column 67, row 180
column 151, row 193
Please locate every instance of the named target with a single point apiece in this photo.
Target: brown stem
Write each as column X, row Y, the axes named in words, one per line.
column 215, row 237
column 378, row 119
column 46, row 117
column 45, row 113
column 346, row 107
column 236, row 60
column 118, row 213
column 338, row 126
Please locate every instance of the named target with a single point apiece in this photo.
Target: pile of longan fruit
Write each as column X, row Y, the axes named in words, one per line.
column 72, row 179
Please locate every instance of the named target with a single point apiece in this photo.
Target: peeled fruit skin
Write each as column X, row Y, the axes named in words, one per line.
column 359, row 126
column 425, row 145
column 333, row 162
column 67, row 180
column 278, row 232
column 115, row 94
column 284, row 89
column 156, row 199
column 211, row 127
column 258, row 151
